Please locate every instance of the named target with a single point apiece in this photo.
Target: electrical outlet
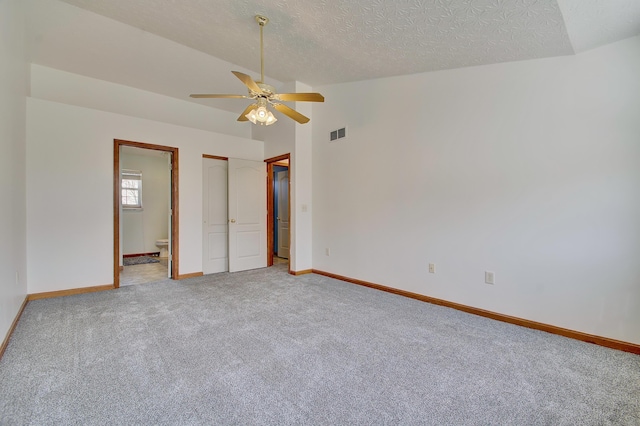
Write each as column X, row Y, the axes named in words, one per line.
column 327, row 251
column 489, row 277
column 432, row 268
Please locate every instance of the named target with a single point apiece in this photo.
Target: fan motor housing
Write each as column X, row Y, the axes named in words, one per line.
column 267, row 89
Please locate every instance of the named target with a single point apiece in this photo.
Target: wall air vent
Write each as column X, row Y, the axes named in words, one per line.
column 338, row 134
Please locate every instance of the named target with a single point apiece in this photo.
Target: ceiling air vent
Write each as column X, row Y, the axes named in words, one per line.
column 338, row 134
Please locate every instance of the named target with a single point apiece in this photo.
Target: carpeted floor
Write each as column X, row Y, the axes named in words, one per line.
column 265, row 347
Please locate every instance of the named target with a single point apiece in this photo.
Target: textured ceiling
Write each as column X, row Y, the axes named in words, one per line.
column 331, row 41
column 312, row 41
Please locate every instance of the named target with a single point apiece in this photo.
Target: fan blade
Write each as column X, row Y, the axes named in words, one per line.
column 248, row 81
column 292, row 113
column 245, row 112
column 219, row 96
column 300, row 97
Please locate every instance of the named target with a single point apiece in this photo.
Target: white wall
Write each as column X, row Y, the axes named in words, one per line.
column 141, row 228
column 13, row 91
column 70, row 238
column 301, row 188
column 528, row 169
column 73, row 89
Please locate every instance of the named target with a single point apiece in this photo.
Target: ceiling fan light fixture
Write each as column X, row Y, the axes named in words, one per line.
column 252, row 116
column 265, row 94
column 261, row 115
column 270, row 119
column 266, row 120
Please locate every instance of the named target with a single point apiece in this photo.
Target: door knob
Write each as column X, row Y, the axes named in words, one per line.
column 232, row 221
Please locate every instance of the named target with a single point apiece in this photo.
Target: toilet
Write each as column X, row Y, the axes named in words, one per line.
column 163, row 245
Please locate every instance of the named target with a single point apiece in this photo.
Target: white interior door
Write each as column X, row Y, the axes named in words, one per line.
column 247, row 215
column 282, row 179
column 215, row 237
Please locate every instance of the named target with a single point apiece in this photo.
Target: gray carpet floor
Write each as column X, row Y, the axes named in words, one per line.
column 264, row 347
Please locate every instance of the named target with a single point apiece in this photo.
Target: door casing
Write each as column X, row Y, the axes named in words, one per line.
column 117, row 143
column 270, row 208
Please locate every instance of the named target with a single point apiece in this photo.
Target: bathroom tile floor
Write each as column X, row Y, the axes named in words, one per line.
column 142, row 274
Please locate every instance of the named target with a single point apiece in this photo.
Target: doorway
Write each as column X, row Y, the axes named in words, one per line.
column 172, row 259
column 278, row 210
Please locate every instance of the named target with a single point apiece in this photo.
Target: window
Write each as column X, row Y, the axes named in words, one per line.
column 131, row 189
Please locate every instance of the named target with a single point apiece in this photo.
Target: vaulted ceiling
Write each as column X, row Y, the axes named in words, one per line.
column 313, row 41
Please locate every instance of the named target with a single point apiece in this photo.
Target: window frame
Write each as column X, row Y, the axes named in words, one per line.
column 131, row 175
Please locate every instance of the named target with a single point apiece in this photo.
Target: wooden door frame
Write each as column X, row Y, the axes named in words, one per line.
column 270, row 207
column 175, row 234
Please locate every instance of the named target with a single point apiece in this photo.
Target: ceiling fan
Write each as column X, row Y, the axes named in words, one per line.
column 265, row 94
